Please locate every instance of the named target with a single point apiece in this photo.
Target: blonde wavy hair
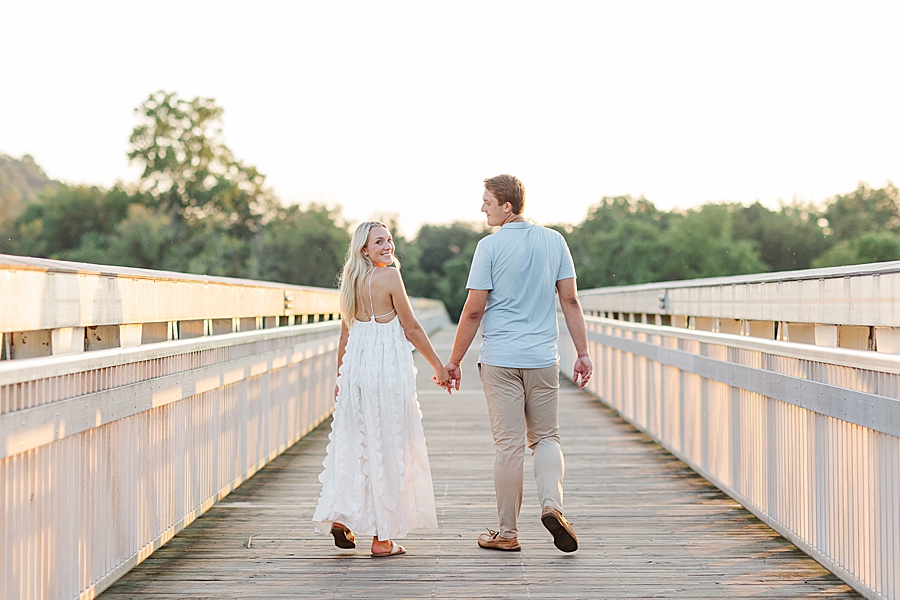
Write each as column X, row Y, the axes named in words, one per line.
column 356, row 265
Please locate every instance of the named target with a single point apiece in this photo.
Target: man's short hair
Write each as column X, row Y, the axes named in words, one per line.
column 507, row 188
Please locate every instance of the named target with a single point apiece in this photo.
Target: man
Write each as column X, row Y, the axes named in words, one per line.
column 515, row 275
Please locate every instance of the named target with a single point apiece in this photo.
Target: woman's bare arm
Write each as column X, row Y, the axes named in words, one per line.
column 415, row 333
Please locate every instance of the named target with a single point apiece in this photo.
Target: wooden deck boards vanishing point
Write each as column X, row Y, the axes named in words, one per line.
column 648, row 526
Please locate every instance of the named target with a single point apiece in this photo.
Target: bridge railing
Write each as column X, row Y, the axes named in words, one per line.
column 782, row 389
column 150, row 397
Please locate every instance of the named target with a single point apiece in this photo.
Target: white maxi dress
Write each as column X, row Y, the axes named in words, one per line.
column 377, row 480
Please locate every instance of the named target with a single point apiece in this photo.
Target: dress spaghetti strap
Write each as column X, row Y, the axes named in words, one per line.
column 372, row 303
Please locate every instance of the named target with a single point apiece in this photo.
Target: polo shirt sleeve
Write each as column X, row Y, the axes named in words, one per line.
column 566, row 265
column 480, row 273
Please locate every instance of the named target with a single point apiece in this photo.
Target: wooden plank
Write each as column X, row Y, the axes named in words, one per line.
column 648, row 526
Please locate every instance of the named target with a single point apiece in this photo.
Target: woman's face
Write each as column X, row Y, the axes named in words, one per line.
column 380, row 247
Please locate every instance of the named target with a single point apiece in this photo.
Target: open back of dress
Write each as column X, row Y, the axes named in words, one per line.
column 377, row 480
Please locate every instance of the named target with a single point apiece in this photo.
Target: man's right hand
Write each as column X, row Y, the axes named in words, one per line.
column 455, row 374
column 583, row 368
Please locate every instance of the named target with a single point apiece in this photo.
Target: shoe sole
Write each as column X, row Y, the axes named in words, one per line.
column 519, row 549
column 396, row 550
column 516, row 549
column 563, row 539
column 341, row 540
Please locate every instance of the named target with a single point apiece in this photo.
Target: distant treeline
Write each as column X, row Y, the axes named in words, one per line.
column 626, row 241
column 21, row 182
column 198, row 209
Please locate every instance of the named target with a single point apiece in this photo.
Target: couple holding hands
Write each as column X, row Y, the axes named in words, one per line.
column 377, row 479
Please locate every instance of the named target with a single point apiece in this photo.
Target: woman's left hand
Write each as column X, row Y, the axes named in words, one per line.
column 442, row 378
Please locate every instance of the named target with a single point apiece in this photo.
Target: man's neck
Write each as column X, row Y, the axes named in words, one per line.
column 513, row 219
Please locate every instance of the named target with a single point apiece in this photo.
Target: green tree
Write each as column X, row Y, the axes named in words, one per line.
column 63, row 215
column 634, row 251
column 878, row 246
column 788, row 239
column 874, row 246
column 305, row 247
column 436, row 264
column 702, row 244
column 863, row 210
column 451, row 286
column 145, row 239
column 607, row 214
column 221, row 254
column 189, row 171
column 619, row 242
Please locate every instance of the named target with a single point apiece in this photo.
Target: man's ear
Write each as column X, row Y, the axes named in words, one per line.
column 507, row 206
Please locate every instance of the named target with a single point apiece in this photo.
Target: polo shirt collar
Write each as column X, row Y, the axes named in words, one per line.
column 517, row 225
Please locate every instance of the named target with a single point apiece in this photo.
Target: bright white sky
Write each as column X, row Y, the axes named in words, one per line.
column 405, row 107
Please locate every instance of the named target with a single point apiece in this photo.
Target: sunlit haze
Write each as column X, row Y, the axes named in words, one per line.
column 405, row 107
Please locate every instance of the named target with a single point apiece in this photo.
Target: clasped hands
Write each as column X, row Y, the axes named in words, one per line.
column 583, row 369
column 447, row 377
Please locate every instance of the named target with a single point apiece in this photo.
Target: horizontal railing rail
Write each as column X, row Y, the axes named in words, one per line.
column 53, row 307
column 105, row 455
column 856, row 307
column 804, row 435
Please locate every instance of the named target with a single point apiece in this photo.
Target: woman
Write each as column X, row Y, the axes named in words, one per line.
column 377, row 480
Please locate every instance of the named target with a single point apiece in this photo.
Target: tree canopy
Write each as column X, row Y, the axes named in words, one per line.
column 196, row 209
column 189, row 172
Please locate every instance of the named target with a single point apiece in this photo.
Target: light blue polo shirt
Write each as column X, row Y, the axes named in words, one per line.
column 520, row 264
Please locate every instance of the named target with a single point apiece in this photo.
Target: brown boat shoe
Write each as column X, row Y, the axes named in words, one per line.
column 492, row 541
column 563, row 535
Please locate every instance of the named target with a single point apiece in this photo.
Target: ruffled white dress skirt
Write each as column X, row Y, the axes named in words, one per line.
column 377, row 480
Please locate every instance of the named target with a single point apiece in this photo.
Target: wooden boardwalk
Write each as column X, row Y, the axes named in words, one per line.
column 648, row 526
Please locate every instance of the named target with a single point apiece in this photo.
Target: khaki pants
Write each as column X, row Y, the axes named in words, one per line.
column 524, row 402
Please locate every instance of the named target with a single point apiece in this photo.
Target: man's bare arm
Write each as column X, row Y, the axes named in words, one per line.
column 571, row 307
column 469, row 320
